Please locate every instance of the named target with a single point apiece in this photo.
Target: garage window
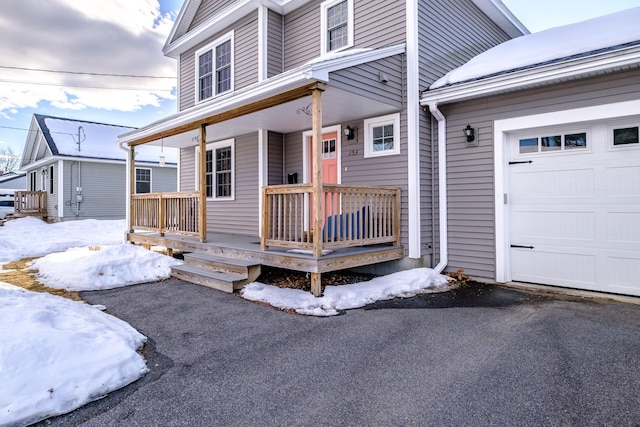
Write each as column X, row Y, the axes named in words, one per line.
column 625, row 136
column 547, row 143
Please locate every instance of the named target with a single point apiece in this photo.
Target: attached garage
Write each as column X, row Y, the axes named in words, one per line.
column 547, row 188
column 573, row 197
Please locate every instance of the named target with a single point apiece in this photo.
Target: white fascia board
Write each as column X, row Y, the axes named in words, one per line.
column 210, row 27
column 499, row 13
column 532, row 77
column 183, row 20
column 314, row 71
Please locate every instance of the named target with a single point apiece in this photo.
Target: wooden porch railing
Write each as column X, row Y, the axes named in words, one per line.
column 352, row 216
column 171, row 213
column 30, row 203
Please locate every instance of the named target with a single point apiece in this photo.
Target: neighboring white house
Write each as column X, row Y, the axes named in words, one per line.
column 548, row 191
column 83, row 171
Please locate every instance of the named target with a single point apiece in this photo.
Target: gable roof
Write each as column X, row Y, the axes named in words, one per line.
column 181, row 39
column 572, row 51
column 89, row 140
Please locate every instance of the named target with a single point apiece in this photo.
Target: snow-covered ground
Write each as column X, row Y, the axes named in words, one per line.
column 57, row 355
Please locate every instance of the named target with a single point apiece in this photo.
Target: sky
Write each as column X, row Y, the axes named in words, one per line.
column 87, row 39
column 57, row 355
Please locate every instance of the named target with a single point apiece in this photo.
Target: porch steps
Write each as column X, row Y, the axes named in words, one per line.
column 224, row 274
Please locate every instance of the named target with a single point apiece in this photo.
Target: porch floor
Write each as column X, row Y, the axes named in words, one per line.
column 248, row 248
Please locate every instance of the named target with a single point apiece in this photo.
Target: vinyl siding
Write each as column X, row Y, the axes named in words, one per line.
column 187, row 169
column 450, row 33
column 377, row 23
column 163, row 179
column 275, row 33
column 470, row 169
column 207, row 9
column 103, row 190
column 239, row 216
column 364, row 80
column 245, row 59
column 275, row 159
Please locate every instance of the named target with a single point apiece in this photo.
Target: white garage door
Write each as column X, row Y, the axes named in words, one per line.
column 574, row 207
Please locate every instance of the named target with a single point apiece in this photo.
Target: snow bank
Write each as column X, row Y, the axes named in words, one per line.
column 57, row 355
column 402, row 284
column 102, row 267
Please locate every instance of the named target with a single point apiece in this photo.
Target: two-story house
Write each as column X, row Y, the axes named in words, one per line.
column 302, row 141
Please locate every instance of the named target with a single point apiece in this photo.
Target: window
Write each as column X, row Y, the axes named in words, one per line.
column 143, row 180
column 219, row 170
column 214, row 68
column 547, row 143
column 382, row 135
column 625, row 136
column 32, row 180
column 337, row 25
column 51, row 179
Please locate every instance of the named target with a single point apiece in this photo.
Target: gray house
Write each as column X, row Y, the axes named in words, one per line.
column 548, row 190
column 299, row 127
column 13, row 181
column 78, row 171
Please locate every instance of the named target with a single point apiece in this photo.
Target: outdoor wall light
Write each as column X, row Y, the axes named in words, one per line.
column 469, row 132
column 349, row 132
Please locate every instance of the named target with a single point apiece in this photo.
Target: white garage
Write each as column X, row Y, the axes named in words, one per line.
column 572, row 205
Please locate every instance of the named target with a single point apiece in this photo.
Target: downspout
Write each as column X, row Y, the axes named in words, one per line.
column 442, row 185
column 127, row 208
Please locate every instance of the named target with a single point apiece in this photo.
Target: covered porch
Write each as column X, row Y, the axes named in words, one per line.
column 313, row 226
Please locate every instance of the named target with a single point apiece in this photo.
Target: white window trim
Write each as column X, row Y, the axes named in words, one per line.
column 323, row 31
column 621, row 125
column 210, row 147
column 136, row 179
column 369, row 124
column 211, row 46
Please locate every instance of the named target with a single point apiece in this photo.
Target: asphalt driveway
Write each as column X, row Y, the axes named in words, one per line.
column 482, row 356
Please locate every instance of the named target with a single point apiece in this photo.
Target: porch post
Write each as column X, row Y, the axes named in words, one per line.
column 132, row 185
column 316, row 150
column 202, row 184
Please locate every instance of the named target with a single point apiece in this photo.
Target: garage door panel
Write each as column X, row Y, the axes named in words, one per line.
column 533, row 225
column 623, row 273
column 623, row 227
column 545, row 265
column 534, row 186
column 623, row 181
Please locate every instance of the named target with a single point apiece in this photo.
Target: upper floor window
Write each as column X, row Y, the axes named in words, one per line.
column 337, row 25
column 214, row 68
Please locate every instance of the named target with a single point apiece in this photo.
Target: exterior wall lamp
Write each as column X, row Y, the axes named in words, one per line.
column 469, row 132
column 349, row 132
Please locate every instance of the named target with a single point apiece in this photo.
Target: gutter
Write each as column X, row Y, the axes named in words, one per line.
column 442, row 186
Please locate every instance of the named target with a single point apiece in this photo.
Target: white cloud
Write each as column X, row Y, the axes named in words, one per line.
column 100, row 36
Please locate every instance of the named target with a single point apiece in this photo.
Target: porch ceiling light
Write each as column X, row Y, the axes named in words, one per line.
column 469, row 132
column 349, row 132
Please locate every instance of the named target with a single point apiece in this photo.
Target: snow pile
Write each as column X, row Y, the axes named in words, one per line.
column 30, row 237
column 402, row 284
column 57, row 355
column 102, row 267
column 557, row 43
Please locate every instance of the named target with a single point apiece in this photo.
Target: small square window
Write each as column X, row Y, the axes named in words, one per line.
column 551, row 143
column 143, row 181
column 382, row 135
column 528, row 145
column 625, row 136
column 575, row 140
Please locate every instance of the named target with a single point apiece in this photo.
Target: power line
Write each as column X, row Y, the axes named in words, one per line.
column 44, row 70
column 85, row 86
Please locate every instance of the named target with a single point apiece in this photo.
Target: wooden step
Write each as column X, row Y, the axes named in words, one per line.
column 225, row 282
column 222, row 264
